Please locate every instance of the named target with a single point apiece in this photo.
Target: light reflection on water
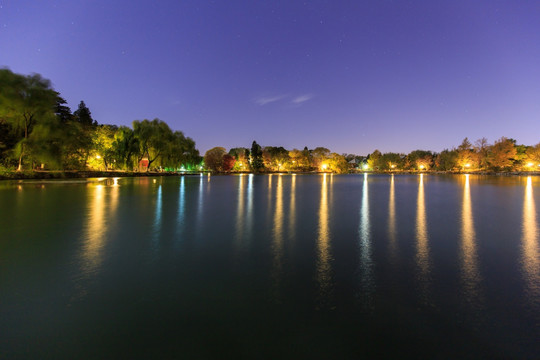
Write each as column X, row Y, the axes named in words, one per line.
column 364, row 231
column 530, row 251
column 180, row 216
column 240, row 211
column 392, row 232
column 95, row 229
column 324, row 257
column 470, row 275
column 422, row 241
column 277, row 239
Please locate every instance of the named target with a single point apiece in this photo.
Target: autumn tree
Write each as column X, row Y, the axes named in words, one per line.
column 533, row 155
column 213, row 159
column 228, row 162
column 337, row 163
column 481, row 149
column 502, row 154
column 466, row 156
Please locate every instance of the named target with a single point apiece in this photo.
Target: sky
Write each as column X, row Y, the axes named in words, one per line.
column 351, row 76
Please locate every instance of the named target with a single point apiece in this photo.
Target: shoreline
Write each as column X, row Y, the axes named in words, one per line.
column 52, row 175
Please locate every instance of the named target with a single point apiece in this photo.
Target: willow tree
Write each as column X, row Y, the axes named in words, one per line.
column 154, row 138
column 27, row 103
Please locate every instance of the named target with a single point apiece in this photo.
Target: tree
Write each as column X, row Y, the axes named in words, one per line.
column 481, row 148
column 533, row 155
column 337, row 163
column 391, row 161
column 228, row 162
column 420, row 159
column 446, row 160
column 26, row 101
column 213, row 159
column 154, row 138
column 125, row 146
column 373, row 160
column 502, row 154
column 256, row 157
column 466, row 157
column 84, row 116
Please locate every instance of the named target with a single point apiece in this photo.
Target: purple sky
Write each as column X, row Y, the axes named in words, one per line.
column 348, row 75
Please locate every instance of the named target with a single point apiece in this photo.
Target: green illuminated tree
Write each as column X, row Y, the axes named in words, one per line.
column 25, row 102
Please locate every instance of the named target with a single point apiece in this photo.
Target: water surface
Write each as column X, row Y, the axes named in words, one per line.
column 271, row 266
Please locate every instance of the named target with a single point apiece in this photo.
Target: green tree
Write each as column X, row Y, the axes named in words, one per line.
column 154, row 138
column 84, row 116
column 391, row 161
column 374, row 160
column 256, row 157
column 26, row 101
column 446, row 160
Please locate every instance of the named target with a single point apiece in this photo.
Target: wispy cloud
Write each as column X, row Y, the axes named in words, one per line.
column 301, row 99
column 268, row 99
column 291, row 99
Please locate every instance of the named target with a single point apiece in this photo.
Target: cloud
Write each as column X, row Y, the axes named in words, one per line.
column 267, row 100
column 295, row 100
column 302, row 98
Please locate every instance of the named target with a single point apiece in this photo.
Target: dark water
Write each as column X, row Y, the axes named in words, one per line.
column 306, row 266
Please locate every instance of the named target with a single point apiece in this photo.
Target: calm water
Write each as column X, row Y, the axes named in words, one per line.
column 270, row 266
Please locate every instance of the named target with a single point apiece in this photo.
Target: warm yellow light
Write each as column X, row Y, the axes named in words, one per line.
column 421, row 166
column 530, row 164
column 393, row 166
column 467, row 165
column 279, row 165
column 324, row 166
column 98, row 157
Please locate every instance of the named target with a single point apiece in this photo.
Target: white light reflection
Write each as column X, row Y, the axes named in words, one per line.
column 364, row 232
column 157, row 219
column 422, row 242
column 180, row 215
column 249, row 217
column 324, row 268
column 240, row 211
column 530, row 257
column 470, row 275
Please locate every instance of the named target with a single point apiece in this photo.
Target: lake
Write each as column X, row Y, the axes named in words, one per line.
column 271, row 266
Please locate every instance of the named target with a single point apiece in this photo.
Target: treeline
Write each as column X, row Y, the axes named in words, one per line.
column 503, row 155
column 38, row 130
column 272, row 159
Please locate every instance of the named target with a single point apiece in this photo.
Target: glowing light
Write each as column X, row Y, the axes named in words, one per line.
column 324, row 166
column 467, row 165
column 98, row 157
column 530, row 164
column 421, row 167
column 393, row 166
column 365, row 166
